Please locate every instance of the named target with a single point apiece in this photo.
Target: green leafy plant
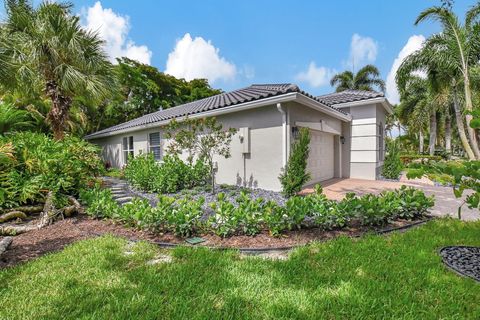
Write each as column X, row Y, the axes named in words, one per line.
column 169, row 176
column 225, row 221
column 36, row 164
column 201, row 139
column 184, row 218
column 294, row 175
column 99, row 203
column 392, row 166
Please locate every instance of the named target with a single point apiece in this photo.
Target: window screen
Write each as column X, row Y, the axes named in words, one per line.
column 154, row 145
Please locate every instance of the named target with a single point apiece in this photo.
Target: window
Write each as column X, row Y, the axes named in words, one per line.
column 127, row 148
column 154, row 145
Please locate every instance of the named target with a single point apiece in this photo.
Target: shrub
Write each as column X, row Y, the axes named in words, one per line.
column 392, row 166
column 294, row 176
column 184, row 218
column 167, row 177
column 409, row 158
column 37, row 164
column 413, row 203
column 99, row 203
column 225, row 222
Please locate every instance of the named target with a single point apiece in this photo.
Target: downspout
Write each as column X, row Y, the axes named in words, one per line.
column 285, row 135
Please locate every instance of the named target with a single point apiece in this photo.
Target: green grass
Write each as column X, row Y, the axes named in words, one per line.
column 399, row 276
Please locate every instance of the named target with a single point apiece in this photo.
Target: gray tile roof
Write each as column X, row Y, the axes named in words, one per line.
column 332, row 99
column 251, row 93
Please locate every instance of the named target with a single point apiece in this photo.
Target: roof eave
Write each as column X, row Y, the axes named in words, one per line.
column 323, row 108
column 382, row 100
column 242, row 106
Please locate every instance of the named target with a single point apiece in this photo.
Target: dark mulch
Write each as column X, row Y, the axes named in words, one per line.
column 53, row 238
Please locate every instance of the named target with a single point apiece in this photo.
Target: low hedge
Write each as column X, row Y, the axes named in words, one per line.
column 409, row 158
column 250, row 216
column 168, row 176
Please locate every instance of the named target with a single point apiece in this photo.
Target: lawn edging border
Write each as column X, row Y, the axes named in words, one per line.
column 262, row 250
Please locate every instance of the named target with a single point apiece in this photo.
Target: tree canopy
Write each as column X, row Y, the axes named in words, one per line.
column 367, row 78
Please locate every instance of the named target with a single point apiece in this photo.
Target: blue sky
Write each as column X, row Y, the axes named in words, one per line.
column 238, row 43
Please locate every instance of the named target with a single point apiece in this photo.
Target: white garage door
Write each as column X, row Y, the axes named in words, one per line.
column 321, row 159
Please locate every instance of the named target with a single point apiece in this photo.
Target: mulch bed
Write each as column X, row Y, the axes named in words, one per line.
column 55, row 237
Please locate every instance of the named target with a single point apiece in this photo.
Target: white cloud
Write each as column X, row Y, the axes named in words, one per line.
column 114, row 28
column 198, row 58
column 363, row 50
column 316, row 76
column 414, row 43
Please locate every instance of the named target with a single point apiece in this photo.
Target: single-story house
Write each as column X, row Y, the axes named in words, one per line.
column 347, row 133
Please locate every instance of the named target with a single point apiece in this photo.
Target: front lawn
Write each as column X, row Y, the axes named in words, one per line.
column 393, row 277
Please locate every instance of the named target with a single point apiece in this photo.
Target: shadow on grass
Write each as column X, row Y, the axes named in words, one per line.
column 398, row 276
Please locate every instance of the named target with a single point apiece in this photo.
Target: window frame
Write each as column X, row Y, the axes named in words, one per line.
column 130, row 148
column 152, row 146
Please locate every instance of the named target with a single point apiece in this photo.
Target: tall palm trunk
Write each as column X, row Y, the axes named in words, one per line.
column 461, row 127
column 433, row 132
column 58, row 114
column 421, row 139
column 448, row 132
column 468, row 116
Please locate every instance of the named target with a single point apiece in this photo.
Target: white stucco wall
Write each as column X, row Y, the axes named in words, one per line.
column 259, row 168
column 365, row 156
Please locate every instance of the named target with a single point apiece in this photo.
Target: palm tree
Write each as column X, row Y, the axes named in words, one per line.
column 457, row 47
column 13, row 119
column 435, row 61
column 367, row 78
column 416, row 102
column 48, row 51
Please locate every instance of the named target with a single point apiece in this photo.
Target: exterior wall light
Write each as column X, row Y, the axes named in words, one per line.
column 295, row 132
column 342, row 139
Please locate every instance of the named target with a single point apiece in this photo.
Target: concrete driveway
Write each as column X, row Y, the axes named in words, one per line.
column 445, row 202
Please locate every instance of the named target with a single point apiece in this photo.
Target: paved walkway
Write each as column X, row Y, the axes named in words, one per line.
column 445, row 202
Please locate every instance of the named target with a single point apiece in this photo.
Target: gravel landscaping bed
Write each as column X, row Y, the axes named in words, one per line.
column 231, row 194
column 463, row 260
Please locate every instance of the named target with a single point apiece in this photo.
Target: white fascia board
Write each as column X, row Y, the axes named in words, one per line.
column 383, row 101
column 242, row 106
column 314, row 104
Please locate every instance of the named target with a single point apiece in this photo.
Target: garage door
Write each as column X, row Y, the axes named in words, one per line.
column 321, row 159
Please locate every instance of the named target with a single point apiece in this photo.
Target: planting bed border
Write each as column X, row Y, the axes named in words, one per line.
column 168, row 245
column 452, row 266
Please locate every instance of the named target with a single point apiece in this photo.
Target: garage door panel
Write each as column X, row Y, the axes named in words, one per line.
column 320, row 162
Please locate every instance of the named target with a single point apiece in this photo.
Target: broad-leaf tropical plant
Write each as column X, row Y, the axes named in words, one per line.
column 367, row 78
column 45, row 49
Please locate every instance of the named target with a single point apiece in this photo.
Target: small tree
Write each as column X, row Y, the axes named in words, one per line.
column 294, row 175
column 201, row 138
column 392, row 166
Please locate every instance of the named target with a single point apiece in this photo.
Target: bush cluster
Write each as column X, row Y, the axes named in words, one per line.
column 32, row 164
column 250, row 216
column 168, row 176
column 409, row 158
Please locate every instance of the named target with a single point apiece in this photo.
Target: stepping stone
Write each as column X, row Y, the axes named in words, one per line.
column 161, row 258
column 123, row 200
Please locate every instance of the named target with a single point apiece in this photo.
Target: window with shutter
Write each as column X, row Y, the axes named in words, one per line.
column 127, row 148
column 154, row 145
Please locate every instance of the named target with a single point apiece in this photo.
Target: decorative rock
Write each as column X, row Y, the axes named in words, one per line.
column 463, row 260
